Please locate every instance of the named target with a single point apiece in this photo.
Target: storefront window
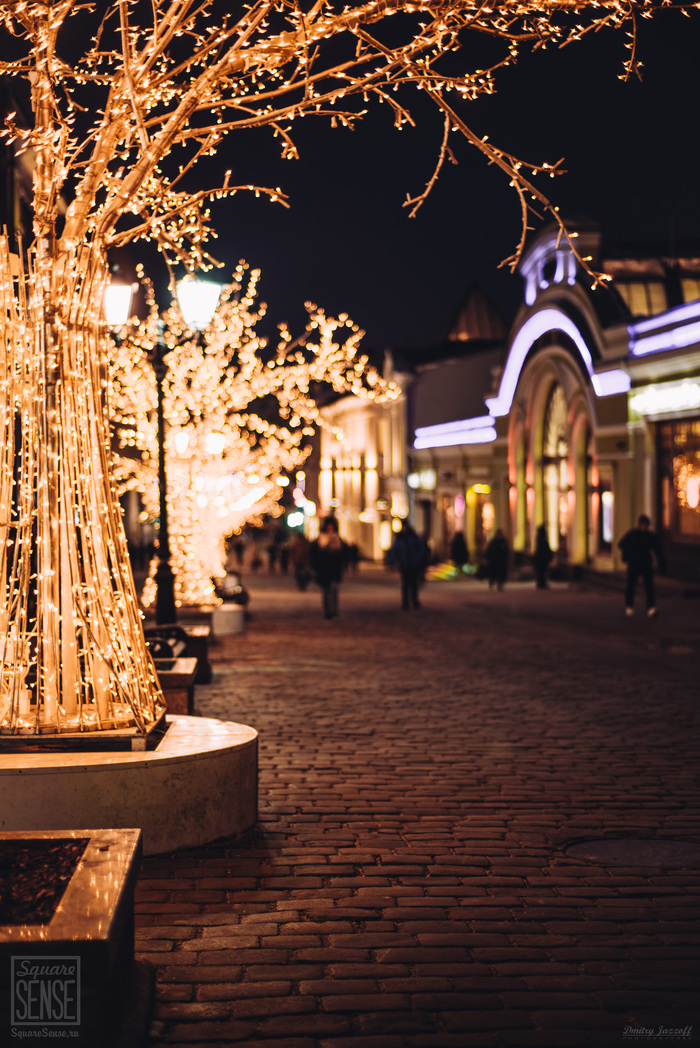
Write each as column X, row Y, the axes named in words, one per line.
column 679, row 462
column 643, row 298
column 691, row 288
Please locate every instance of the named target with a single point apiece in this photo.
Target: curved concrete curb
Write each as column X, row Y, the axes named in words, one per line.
column 199, row 784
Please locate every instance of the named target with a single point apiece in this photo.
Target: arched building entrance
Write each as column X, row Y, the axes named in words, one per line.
column 551, row 456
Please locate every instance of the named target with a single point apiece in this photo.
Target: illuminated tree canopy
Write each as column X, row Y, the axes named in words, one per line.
column 238, row 413
column 172, row 79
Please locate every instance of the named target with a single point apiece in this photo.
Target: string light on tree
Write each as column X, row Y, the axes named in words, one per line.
column 238, row 417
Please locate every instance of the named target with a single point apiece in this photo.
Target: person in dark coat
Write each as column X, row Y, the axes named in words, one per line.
column 542, row 557
column 300, row 556
column 328, row 558
column 639, row 547
column 408, row 553
column 497, row 553
column 459, row 553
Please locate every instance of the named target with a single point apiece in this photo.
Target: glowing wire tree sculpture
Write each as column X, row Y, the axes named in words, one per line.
column 106, row 125
column 68, row 614
column 237, row 417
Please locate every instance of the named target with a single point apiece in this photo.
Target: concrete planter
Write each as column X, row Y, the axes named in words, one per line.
column 67, row 972
column 228, row 619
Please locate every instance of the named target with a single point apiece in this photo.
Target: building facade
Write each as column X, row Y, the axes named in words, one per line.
column 587, row 414
column 362, row 468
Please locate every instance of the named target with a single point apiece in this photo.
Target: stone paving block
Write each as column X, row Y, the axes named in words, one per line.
column 176, row 992
column 230, row 991
column 403, row 1022
column 169, row 909
column 334, row 929
column 305, row 1025
column 235, row 934
column 333, row 955
column 490, row 1020
column 423, row 955
column 365, row 1002
column 198, row 974
column 156, row 945
column 246, row 1007
column 292, row 942
column 208, row 919
column 192, row 1010
column 321, row 987
column 552, row 1039
column 594, row 1019
column 440, row 1002
column 540, row 999
column 165, row 932
column 250, row 955
column 415, row 913
column 371, row 971
column 216, row 941
column 223, row 1033
column 174, row 960
column 494, row 984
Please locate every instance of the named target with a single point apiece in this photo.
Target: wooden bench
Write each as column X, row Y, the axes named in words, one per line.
column 198, row 637
column 174, row 641
column 177, row 679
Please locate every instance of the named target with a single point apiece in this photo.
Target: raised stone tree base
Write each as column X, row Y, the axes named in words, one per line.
column 67, row 971
column 198, row 784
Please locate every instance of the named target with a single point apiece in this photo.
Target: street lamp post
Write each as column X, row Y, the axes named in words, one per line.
column 166, row 612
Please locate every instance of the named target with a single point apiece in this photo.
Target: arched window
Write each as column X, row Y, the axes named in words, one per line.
column 555, row 455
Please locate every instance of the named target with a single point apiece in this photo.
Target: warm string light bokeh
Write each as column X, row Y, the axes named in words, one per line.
column 238, row 414
column 119, row 115
column 67, row 604
column 191, row 72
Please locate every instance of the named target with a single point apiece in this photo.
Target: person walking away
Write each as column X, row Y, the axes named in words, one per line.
column 497, row 553
column 542, row 557
column 300, row 554
column 327, row 556
column 408, row 553
column 353, row 557
column 459, row 553
column 639, row 547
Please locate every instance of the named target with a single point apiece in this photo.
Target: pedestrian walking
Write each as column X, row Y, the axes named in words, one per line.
column 497, row 553
column 353, row 557
column 328, row 557
column 542, row 557
column 256, row 561
column 459, row 552
column 639, row 547
column 408, row 553
column 300, row 556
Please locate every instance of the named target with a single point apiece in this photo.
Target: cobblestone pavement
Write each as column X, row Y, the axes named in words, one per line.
column 422, row 774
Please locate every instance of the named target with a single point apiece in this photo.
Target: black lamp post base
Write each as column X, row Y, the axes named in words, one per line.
column 165, row 597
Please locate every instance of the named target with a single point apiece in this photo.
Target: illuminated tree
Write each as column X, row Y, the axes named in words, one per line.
column 117, row 131
column 237, row 417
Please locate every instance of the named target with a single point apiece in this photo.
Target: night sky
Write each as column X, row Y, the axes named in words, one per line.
column 631, row 152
